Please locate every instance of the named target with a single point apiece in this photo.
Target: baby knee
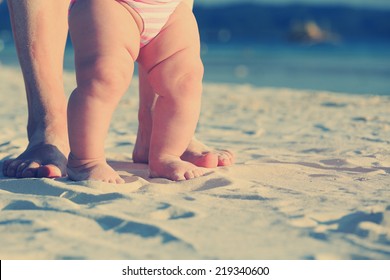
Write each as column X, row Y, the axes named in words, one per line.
column 104, row 76
column 192, row 74
column 186, row 79
column 190, row 81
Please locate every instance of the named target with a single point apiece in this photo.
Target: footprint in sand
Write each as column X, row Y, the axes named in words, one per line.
column 166, row 211
column 92, row 199
column 366, row 229
column 214, row 183
column 351, row 223
column 20, row 205
column 142, row 230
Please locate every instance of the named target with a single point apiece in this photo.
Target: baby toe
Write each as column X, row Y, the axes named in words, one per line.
column 119, row 181
column 189, row 175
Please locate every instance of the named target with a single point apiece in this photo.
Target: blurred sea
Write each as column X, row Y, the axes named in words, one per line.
column 359, row 68
column 330, row 47
column 264, row 45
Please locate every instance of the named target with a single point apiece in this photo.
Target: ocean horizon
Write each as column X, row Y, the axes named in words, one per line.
column 350, row 67
column 334, row 48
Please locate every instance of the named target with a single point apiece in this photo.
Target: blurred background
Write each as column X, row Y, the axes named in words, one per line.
column 332, row 45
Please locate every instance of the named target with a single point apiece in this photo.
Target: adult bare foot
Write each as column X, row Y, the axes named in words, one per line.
column 197, row 153
column 173, row 168
column 39, row 160
column 40, row 30
column 94, row 169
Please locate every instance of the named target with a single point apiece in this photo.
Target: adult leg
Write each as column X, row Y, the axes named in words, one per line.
column 196, row 152
column 40, row 30
column 106, row 41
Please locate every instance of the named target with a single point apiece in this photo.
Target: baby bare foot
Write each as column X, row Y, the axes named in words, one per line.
column 203, row 156
column 173, row 168
column 40, row 160
column 95, row 170
column 197, row 153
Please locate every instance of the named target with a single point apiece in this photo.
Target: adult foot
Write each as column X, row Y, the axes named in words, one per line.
column 197, row 153
column 173, row 168
column 95, row 170
column 39, row 160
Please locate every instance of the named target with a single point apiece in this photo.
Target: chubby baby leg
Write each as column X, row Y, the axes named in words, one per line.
column 175, row 117
column 106, row 42
column 175, row 71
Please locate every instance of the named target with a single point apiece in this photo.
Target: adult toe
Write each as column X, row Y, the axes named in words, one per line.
column 30, row 171
column 20, row 168
column 6, row 163
column 12, row 168
column 48, row 171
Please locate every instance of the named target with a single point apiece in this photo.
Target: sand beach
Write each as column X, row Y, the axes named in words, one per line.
column 311, row 181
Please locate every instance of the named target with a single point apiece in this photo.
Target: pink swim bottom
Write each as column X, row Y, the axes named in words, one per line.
column 154, row 14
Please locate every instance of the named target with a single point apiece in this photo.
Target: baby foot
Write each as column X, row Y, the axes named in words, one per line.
column 173, row 168
column 196, row 153
column 95, row 170
column 203, row 156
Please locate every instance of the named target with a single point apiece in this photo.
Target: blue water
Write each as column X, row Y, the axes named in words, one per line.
column 350, row 68
column 362, row 68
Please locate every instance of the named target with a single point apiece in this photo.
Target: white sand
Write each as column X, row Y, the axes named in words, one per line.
column 312, row 181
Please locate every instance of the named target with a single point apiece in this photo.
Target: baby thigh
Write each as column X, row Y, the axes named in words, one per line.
column 106, row 42
column 172, row 59
column 105, row 38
